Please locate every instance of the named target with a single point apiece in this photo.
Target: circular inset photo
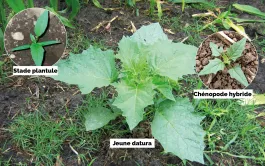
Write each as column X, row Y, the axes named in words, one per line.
column 35, row 37
column 227, row 60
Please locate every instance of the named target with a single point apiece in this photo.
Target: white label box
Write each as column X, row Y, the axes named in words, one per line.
column 132, row 143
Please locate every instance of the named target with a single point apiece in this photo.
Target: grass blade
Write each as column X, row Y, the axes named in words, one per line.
column 230, row 142
column 41, row 23
column 51, row 42
column 237, row 28
column 30, row 4
column 64, row 20
column 97, row 4
column 16, row 5
column 131, row 2
column 54, row 4
column 250, row 10
column 183, row 5
column 2, row 15
column 240, row 20
column 1, row 42
column 24, row 47
column 189, row 1
column 75, row 9
column 159, row 10
column 152, row 6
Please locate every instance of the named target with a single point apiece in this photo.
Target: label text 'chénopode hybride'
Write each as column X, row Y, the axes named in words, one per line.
column 223, row 94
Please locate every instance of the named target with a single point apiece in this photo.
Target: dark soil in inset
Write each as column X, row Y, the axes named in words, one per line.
column 18, row 32
column 222, row 79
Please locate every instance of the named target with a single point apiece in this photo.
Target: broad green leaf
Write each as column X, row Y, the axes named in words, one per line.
column 163, row 87
column 32, row 38
column 172, row 59
column 47, row 43
column 213, row 67
column 24, row 47
column 37, row 53
column 166, row 90
column 149, row 34
column 129, row 53
column 215, row 50
column 42, row 23
column 98, row 117
column 132, row 100
column 90, row 69
column 250, row 9
column 235, row 50
column 178, row 129
column 237, row 73
column 257, row 99
column 16, row 5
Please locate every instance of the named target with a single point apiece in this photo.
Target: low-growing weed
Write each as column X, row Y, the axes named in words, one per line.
column 38, row 135
column 80, row 41
column 233, row 130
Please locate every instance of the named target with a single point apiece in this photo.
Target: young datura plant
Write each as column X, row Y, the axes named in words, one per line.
column 226, row 57
column 36, row 48
column 150, row 61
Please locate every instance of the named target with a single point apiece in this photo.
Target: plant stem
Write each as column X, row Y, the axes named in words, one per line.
column 237, row 156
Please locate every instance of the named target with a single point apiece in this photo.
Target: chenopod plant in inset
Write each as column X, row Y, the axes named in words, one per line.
column 226, row 57
column 150, row 63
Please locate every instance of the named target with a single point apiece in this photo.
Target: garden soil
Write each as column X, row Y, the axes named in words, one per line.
column 22, row 93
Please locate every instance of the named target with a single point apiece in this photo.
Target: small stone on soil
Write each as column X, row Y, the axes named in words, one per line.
column 17, row 35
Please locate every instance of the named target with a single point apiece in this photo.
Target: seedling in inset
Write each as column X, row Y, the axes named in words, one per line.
column 36, row 49
column 230, row 55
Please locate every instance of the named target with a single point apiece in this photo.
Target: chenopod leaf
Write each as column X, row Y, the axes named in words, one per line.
column 235, row 51
column 213, row 67
column 215, row 50
column 237, row 73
